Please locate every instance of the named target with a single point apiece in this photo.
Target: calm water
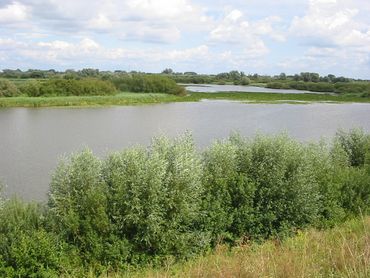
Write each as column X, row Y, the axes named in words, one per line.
column 32, row 140
column 212, row 88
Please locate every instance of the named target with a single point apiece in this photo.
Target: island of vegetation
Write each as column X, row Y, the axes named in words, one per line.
column 89, row 87
column 244, row 206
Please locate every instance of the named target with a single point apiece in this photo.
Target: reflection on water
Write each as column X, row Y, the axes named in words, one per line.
column 32, row 140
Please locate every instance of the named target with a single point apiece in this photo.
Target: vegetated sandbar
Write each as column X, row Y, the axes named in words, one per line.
column 126, row 98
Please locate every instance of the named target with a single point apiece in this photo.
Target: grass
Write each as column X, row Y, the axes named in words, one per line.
column 145, row 98
column 119, row 99
column 343, row 251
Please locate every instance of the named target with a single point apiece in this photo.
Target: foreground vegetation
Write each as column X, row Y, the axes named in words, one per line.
column 343, row 251
column 170, row 202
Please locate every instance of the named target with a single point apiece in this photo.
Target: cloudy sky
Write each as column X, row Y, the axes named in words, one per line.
column 206, row 36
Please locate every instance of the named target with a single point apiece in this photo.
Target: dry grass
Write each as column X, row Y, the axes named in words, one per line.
column 343, row 251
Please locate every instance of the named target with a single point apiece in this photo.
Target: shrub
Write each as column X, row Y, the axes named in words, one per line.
column 8, row 89
column 355, row 144
column 155, row 198
column 147, row 84
column 68, row 87
column 245, row 81
column 26, row 248
column 78, row 210
column 355, row 192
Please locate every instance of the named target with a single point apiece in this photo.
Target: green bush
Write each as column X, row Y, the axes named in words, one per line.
column 8, row 89
column 26, row 248
column 155, row 198
column 355, row 144
column 147, row 84
column 68, row 87
column 78, row 209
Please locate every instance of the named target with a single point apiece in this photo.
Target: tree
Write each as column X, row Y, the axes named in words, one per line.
column 167, row 71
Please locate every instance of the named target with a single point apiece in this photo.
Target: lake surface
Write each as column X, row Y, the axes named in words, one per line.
column 213, row 88
column 32, row 140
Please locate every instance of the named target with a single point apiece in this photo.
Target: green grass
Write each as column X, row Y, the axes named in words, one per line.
column 343, row 251
column 145, row 98
column 119, row 99
column 273, row 97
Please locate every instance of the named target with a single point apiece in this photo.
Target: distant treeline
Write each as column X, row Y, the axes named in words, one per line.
column 362, row 88
column 90, row 86
column 179, row 77
column 169, row 201
column 165, row 82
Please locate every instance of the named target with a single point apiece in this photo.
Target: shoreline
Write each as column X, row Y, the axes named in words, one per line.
column 125, row 99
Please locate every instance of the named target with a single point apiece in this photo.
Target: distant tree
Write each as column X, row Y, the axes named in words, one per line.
column 331, row 77
column 245, row 81
column 89, row 72
column 167, row 71
column 282, row 76
column 315, row 77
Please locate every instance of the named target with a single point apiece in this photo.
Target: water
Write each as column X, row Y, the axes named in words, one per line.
column 32, row 140
column 212, row 88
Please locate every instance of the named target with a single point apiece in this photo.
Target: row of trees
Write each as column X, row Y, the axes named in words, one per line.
column 146, row 205
column 362, row 88
column 233, row 75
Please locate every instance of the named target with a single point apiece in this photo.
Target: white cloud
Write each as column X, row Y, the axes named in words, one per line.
column 13, row 13
column 234, row 29
column 159, row 20
column 332, row 22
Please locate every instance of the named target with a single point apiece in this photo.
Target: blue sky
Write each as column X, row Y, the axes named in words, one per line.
column 206, row 36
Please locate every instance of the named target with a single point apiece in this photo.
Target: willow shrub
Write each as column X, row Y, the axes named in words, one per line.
column 355, row 143
column 259, row 188
column 78, row 209
column 155, row 198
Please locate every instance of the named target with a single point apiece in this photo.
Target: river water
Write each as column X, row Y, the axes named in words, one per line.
column 213, row 88
column 32, row 140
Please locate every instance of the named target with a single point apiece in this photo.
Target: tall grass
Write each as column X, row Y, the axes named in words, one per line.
column 343, row 251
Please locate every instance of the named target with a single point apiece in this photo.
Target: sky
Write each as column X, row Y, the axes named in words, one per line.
column 205, row 36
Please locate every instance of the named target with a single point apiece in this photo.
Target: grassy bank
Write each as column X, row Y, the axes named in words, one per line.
column 145, row 98
column 273, row 97
column 119, row 99
column 343, row 251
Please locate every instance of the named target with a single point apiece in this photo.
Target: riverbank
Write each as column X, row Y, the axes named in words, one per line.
column 146, row 98
column 339, row 252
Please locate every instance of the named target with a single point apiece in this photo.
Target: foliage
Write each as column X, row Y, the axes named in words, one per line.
column 154, row 198
column 146, row 83
column 355, row 143
column 68, row 87
column 171, row 202
column 360, row 88
column 26, row 248
column 8, row 89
